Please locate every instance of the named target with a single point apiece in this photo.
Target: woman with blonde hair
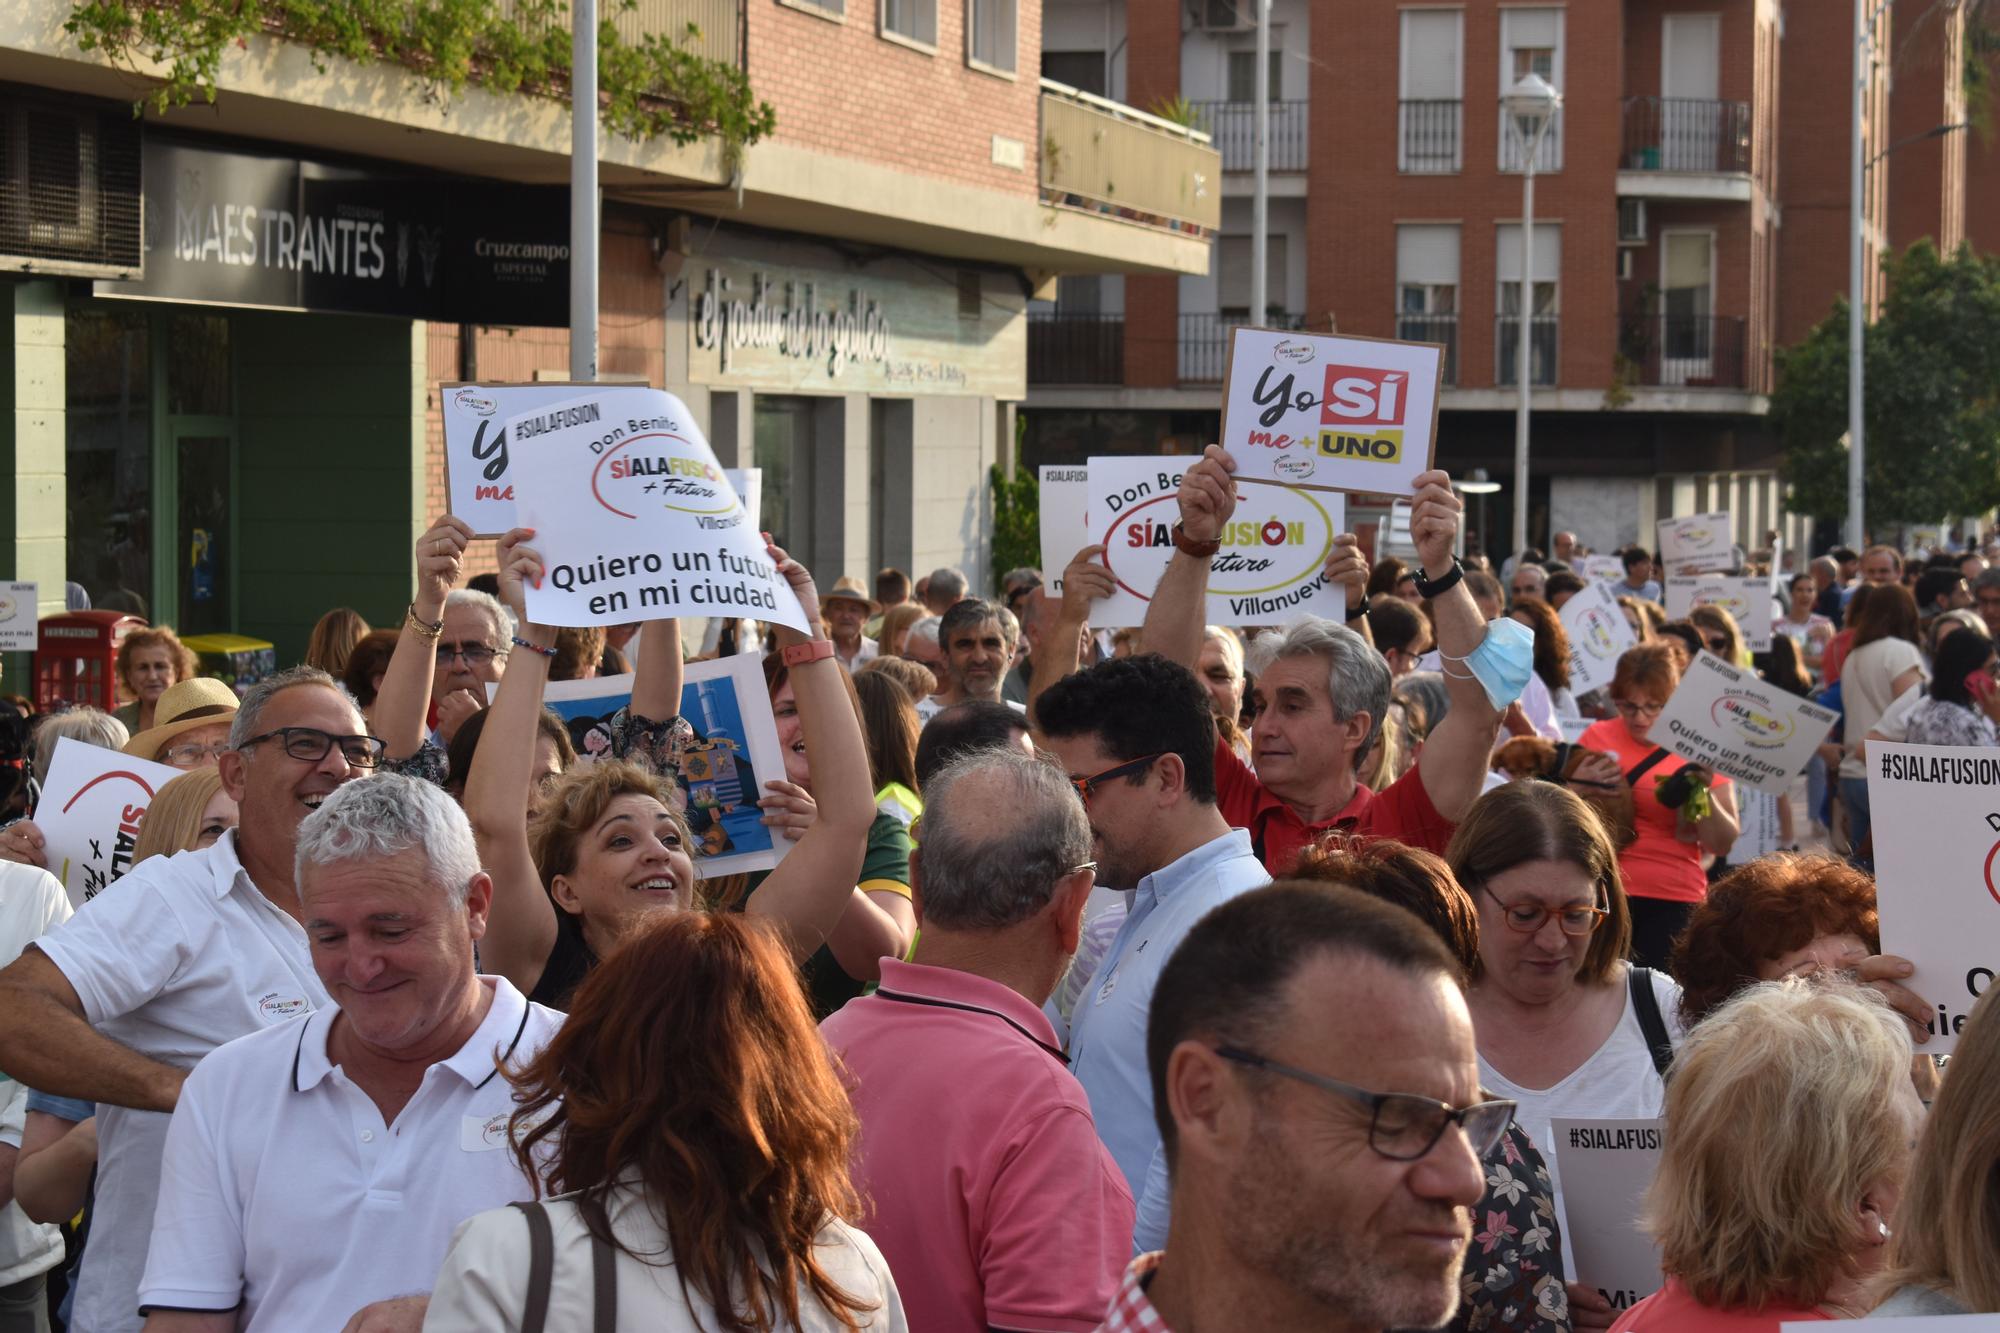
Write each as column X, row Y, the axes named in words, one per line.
column 1643, row 616
column 1789, row 1121
column 187, row 814
column 1945, row 1256
column 149, row 660
column 1720, row 634
column 896, row 622
column 333, row 640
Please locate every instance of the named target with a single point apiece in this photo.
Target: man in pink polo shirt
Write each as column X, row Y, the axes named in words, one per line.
column 995, row 1202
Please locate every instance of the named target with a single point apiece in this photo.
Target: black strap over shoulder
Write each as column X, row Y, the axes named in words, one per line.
column 1646, row 1007
column 541, row 1266
column 1647, row 765
column 604, row 1281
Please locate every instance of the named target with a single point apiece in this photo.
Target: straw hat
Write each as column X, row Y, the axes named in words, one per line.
column 847, row 588
column 198, row 701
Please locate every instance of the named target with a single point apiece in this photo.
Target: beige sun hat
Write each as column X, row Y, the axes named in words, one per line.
column 198, row 701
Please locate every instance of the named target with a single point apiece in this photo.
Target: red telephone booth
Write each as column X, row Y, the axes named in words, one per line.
column 76, row 660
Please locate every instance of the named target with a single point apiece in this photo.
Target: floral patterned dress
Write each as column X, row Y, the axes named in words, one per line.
column 1513, row 1276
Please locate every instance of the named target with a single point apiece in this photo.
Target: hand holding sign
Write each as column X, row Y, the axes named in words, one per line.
column 1085, row 580
column 1208, row 495
column 440, row 556
column 1434, row 519
column 1347, row 568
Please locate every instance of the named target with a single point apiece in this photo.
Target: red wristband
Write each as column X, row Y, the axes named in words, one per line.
column 812, row 650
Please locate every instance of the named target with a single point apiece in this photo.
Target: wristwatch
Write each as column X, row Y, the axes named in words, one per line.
column 1199, row 550
column 1358, row 612
column 1428, row 588
column 812, row 650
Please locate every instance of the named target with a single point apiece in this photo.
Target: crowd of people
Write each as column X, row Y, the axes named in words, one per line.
column 1174, row 978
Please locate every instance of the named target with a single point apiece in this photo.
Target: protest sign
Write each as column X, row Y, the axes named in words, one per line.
column 1936, row 1323
column 1748, row 601
column 735, row 749
column 90, row 811
column 18, row 602
column 1936, row 816
column 1757, row 829
column 633, row 518
column 1603, row 568
column 1724, row 717
column 1271, row 565
column 1064, row 496
column 1605, row 1167
column 1697, row 544
column 748, row 483
column 1599, row 634
column 1572, row 728
column 1779, row 578
column 1331, row 413
column 479, row 485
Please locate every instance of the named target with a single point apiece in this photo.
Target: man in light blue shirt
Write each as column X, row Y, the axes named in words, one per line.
column 1137, row 737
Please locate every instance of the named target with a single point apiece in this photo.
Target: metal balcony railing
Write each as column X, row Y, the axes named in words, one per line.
column 1686, row 134
column 1430, row 137
column 1233, row 127
column 1685, row 351
column 1433, row 329
column 1106, row 157
column 711, row 28
column 1068, row 348
column 1544, row 341
column 1204, row 352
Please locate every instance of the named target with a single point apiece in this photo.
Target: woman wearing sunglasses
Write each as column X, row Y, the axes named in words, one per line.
column 1565, row 1027
column 1681, row 812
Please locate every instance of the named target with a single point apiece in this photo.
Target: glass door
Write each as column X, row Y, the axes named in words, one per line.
column 205, row 539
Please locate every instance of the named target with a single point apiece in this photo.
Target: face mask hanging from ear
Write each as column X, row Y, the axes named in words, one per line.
column 1502, row 663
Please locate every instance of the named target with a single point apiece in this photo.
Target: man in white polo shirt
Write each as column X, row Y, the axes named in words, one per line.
column 320, row 1166
column 180, row 956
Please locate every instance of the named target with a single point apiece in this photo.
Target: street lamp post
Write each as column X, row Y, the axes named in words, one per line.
column 583, row 202
column 1477, row 484
column 1530, row 107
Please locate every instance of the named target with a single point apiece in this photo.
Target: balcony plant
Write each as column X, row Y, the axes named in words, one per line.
column 656, row 87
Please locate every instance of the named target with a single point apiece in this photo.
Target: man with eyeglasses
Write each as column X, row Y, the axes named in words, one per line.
column 1317, row 1096
column 476, row 632
column 186, row 953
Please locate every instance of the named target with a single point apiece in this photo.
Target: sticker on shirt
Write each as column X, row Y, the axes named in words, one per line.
column 277, row 1008
column 1110, row 984
column 483, row 1133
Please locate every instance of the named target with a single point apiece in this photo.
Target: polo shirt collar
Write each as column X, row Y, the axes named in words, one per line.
column 224, row 864
column 1270, row 805
column 956, row 988
column 477, row 1062
column 1162, row 883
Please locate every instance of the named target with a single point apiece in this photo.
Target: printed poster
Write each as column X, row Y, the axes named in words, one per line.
column 1330, row 412
column 90, row 813
column 633, row 517
column 1064, row 497
column 1607, row 568
column 479, row 484
column 1758, row 832
column 1937, row 872
column 748, row 483
column 1605, row 1167
column 18, row 616
column 1723, row 716
column 1599, row 634
column 1748, row 601
column 1271, row 566
column 1697, row 544
column 723, row 773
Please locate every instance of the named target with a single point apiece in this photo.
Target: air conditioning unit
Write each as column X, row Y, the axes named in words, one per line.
column 1226, row 15
column 1631, row 222
column 70, row 197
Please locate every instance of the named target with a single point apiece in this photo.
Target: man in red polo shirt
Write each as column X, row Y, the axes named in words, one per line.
column 1322, row 689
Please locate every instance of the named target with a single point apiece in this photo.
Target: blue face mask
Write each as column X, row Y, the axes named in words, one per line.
column 1502, row 663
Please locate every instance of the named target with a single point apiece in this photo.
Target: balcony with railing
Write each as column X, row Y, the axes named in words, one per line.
column 1065, row 347
column 1233, row 128
column 1104, row 157
column 1685, row 351
column 1544, row 343
column 1685, row 147
column 710, row 28
column 1204, row 342
column 1430, row 137
column 1433, row 329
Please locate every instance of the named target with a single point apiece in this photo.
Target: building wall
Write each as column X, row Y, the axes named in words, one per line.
column 1927, row 176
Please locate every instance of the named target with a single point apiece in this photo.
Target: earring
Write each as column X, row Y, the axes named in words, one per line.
column 1883, row 1228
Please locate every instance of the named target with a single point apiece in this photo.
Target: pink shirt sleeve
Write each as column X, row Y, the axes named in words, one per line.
column 1058, row 1230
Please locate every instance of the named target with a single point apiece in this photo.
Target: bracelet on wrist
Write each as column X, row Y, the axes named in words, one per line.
column 429, row 629
column 520, row 642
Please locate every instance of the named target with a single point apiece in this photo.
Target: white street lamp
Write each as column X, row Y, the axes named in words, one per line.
column 1530, row 107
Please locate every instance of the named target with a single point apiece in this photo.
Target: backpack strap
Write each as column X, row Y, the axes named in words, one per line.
column 1646, row 1006
column 1647, row 765
column 604, row 1283
column 541, row 1266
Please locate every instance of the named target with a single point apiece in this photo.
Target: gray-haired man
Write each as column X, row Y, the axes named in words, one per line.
column 320, row 1166
column 120, row 1002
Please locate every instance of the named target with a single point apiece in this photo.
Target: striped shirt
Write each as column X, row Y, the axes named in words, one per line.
column 1130, row 1311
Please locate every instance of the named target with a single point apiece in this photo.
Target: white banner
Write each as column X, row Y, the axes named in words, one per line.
column 1936, row 816
column 1697, row 544
column 18, row 616
column 1605, row 1167
column 1603, row 568
column 1330, row 412
column 1599, row 634
column 1273, row 557
column 1064, row 498
column 1758, row 832
column 1937, row 1323
column 90, row 812
column 1725, row 718
column 633, row 518
column 1747, row 600
column 479, row 484
column 748, row 483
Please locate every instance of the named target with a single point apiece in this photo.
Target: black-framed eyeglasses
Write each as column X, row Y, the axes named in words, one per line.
column 1084, row 786
column 1632, row 708
column 1402, row 1126
column 311, row 744
column 475, row 654
column 1576, row 921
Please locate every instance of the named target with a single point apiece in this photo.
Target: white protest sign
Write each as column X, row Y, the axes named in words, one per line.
column 1936, row 815
column 748, row 483
column 1778, row 578
column 479, row 484
column 18, row 603
column 1605, row 1167
column 1758, row 831
column 1603, row 568
column 1064, row 497
column 1724, row 717
column 1572, row 728
column 1599, row 634
column 1331, row 412
column 633, row 518
column 1936, row 1323
column 90, row 812
column 1748, row 601
column 1697, row 544
column 1273, row 557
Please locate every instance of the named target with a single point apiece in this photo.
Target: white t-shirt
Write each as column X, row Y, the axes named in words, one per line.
column 1618, row 1082
column 283, row 1191
column 31, row 902
column 1867, row 685
column 180, row 956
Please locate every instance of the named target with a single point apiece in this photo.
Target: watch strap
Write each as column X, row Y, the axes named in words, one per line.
column 1429, row 588
column 1360, row 612
column 812, row 650
column 1199, row 550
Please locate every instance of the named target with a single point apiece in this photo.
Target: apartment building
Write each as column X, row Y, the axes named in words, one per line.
column 1690, row 216
column 228, row 323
